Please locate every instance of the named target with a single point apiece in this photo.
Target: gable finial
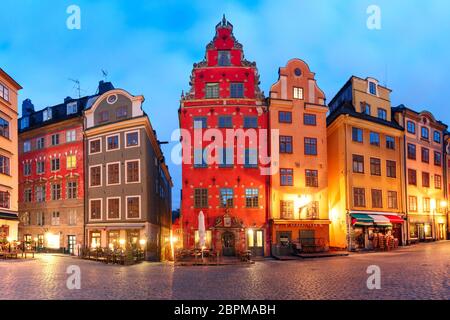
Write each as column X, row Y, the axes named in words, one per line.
column 224, row 20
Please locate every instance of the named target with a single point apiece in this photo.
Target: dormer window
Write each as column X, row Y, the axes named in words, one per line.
column 224, row 58
column 372, row 88
column 47, row 114
column 24, row 123
column 72, row 108
column 365, row 108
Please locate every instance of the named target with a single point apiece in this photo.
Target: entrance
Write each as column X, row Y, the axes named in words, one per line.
column 228, row 244
column 71, row 243
column 421, row 232
column 441, row 231
column 255, row 241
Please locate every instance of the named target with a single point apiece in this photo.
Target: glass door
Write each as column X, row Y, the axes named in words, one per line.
column 71, row 243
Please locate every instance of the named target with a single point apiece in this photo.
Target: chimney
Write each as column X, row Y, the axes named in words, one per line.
column 104, row 87
column 67, row 99
column 27, row 107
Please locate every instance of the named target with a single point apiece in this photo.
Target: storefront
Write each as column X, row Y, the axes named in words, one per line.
column 9, row 224
column 424, row 228
column 375, row 231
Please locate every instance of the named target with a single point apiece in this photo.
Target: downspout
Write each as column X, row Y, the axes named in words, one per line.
column 269, row 184
column 405, row 184
column 349, row 238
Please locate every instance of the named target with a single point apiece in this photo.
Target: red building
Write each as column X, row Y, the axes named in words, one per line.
column 51, row 176
column 225, row 182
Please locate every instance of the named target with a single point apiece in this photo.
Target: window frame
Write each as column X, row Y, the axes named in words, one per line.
column 107, row 173
column 107, row 149
column 101, row 176
column 93, row 140
column 140, row 207
column 126, row 171
column 107, row 208
column 101, row 209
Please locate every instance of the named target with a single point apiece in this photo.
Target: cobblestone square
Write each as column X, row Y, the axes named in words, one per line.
column 416, row 272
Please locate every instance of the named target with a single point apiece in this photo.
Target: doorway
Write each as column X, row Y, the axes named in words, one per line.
column 255, row 241
column 71, row 243
column 228, row 241
column 441, row 231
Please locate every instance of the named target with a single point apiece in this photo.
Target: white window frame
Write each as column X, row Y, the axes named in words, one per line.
column 76, row 161
column 51, row 164
column 70, row 108
column 101, row 176
column 126, row 171
column 296, row 91
column 89, row 146
column 107, row 175
column 140, row 207
column 118, row 142
column 120, row 208
column 27, row 143
column 40, row 139
column 126, row 140
column 101, row 209
column 69, row 133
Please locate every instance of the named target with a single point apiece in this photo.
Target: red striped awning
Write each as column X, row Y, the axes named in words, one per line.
column 395, row 219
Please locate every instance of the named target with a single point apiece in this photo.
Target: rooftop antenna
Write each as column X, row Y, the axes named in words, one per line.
column 76, row 86
column 105, row 74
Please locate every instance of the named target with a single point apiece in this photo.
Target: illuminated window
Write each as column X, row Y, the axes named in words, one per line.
column 71, row 162
column 298, row 93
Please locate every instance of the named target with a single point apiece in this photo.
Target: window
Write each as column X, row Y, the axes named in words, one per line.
column 425, row 155
column 201, row 198
column 437, row 136
column 411, row 127
column 223, row 58
column 40, row 193
column 372, row 88
column 72, row 217
column 357, row 135
column 40, row 217
column 412, row 177
column 309, row 119
column 71, row 135
column 411, row 151
column 104, row 116
column 72, row 190
column 4, row 128
column 55, row 218
column 95, row 209
column 358, row 163
column 226, row 158
column 250, row 122
column 437, row 158
column 426, row 205
column 113, row 208
column 212, row 91
column 95, row 176
column 95, row 146
column 382, row 114
column 121, row 112
column 285, row 144
column 27, row 146
column 313, row 211
column 390, row 142
column 392, row 200
column 200, row 158
column 56, row 191
column 298, row 93
column 40, row 167
column 287, row 209
column 391, row 169
column 4, row 92
column 312, row 178
column 112, row 142
column 437, row 181
column 237, row 90
column 72, row 108
column 365, row 108
column 226, row 198
column 375, row 139
column 55, row 139
column 133, row 207
column 225, row 122
column 252, row 198
column 251, row 158
column 71, row 161
column 424, row 133
column 311, row 146
column 286, row 177
column 412, row 203
column 359, row 197
column 200, row 123
column 375, row 166
column 24, row 122
column 47, row 114
column 55, row 164
column 26, row 168
column 113, row 175
column 425, row 179
column 133, row 171
column 4, row 199
column 4, row 165
column 377, row 198
column 27, row 197
column 285, row 117
column 40, row 143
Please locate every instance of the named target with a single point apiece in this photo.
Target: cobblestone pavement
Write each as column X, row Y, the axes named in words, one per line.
column 417, row 272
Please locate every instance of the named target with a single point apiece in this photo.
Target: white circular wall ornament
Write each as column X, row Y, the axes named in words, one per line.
column 111, row 99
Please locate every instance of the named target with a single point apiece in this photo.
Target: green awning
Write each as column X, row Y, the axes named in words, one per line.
column 361, row 220
column 8, row 216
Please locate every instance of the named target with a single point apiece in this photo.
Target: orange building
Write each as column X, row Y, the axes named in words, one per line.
column 298, row 189
column 365, row 147
column 9, row 177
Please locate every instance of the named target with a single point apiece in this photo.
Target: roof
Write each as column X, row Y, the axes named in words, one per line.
column 347, row 108
column 10, row 79
column 402, row 108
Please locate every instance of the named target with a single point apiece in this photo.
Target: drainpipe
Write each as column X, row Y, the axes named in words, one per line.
column 269, row 183
column 405, row 183
column 349, row 238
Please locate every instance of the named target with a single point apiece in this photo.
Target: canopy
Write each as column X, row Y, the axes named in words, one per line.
column 395, row 219
column 380, row 220
column 361, row 220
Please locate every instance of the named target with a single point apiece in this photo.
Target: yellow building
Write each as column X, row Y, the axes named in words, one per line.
column 425, row 176
column 364, row 167
column 8, row 157
column 298, row 201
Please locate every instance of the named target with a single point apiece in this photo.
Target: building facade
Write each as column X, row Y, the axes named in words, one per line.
column 221, row 176
column 128, row 186
column 51, row 176
column 298, row 188
column 365, row 147
column 424, row 184
column 9, row 158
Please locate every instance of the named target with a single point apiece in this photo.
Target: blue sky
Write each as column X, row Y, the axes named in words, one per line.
column 148, row 47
